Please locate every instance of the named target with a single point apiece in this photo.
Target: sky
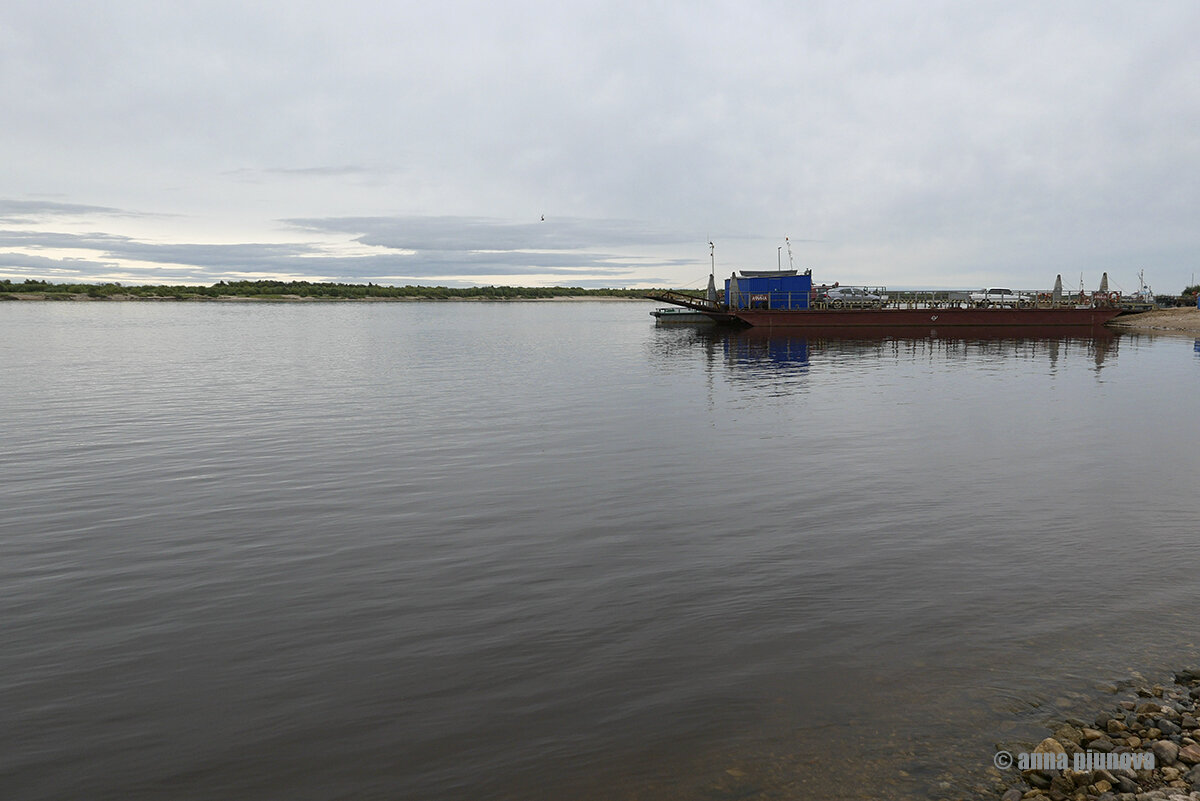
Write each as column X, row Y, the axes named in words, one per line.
column 899, row 144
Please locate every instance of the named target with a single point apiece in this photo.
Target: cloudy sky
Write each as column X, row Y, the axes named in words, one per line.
column 948, row 144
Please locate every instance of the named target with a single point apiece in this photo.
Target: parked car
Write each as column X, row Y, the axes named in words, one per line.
column 840, row 296
column 999, row 297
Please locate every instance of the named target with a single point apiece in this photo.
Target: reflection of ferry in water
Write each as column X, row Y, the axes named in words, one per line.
column 783, row 299
column 795, row 347
column 980, row 333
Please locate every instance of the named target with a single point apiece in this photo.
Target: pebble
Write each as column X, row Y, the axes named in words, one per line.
column 1165, row 752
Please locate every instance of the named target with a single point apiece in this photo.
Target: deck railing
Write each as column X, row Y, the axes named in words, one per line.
column 895, row 300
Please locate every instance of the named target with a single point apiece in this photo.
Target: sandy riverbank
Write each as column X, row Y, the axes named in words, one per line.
column 1186, row 320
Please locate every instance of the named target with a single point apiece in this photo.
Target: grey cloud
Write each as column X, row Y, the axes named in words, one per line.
column 246, row 256
column 606, row 283
column 209, row 262
column 340, row 171
column 123, row 247
column 482, row 233
column 76, row 268
column 51, row 239
column 12, row 211
column 503, row 263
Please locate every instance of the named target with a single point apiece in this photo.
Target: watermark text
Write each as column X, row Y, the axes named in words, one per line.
column 1081, row 762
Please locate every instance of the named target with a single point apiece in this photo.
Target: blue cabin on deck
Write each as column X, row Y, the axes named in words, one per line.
column 768, row 292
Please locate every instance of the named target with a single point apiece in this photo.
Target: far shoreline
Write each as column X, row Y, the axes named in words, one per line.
column 81, row 297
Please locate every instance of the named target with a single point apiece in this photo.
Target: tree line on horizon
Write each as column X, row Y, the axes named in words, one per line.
column 309, row 289
column 305, row 289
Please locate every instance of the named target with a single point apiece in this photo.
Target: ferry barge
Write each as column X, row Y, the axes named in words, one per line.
column 784, row 300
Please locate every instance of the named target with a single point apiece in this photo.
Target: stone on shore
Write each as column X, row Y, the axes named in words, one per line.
column 1190, row 754
column 1165, row 751
column 1049, row 746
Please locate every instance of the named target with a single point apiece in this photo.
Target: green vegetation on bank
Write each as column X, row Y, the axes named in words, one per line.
column 9, row 290
column 304, row 289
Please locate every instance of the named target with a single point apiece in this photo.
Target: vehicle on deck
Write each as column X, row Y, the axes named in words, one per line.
column 997, row 296
column 848, row 296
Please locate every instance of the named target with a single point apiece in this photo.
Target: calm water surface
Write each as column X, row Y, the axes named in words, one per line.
column 532, row 550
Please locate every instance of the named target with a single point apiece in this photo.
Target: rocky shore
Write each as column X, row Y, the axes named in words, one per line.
column 1157, row 720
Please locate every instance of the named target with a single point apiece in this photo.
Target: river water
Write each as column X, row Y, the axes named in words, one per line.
column 534, row 550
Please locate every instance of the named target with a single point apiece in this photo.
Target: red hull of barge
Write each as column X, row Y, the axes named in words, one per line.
column 924, row 318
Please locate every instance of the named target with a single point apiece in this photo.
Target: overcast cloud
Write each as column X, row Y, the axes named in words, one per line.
column 903, row 144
